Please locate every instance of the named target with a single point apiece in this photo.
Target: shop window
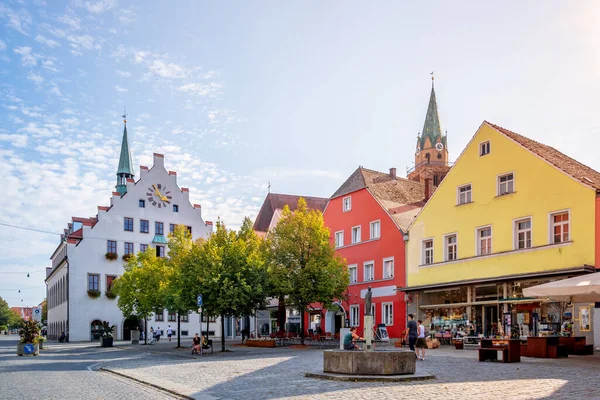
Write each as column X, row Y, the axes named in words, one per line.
column 505, row 184
column 560, row 227
column 353, row 270
column 388, row 268
column 523, row 234
column 375, row 230
column 356, row 234
column 347, row 204
column 451, row 248
column 354, row 315
column 484, row 241
column 464, row 194
column 339, row 239
column 387, row 312
column 427, row 252
column 369, row 271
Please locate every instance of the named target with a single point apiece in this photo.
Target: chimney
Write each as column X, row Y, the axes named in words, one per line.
column 427, row 188
column 393, row 173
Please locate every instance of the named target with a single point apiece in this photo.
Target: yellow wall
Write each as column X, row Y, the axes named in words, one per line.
column 539, row 190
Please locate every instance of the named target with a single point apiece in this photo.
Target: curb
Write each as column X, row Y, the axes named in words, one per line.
column 370, row 378
column 162, row 389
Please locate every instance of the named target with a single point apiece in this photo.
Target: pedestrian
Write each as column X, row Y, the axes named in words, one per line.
column 350, row 338
column 158, row 333
column 152, row 335
column 169, row 332
column 411, row 333
column 196, row 345
column 421, row 341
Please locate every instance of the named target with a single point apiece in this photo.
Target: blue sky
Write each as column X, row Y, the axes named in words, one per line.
column 237, row 94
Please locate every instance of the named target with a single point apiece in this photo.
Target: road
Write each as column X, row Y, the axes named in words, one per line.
column 63, row 373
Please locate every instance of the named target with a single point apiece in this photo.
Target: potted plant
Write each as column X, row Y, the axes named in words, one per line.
column 93, row 293
column 106, row 337
column 41, row 341
column 111, row 256
column 110, row 294
column 127, row 257
column 28, row 345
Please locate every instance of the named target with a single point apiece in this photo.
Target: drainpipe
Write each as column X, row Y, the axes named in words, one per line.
column 68, row 303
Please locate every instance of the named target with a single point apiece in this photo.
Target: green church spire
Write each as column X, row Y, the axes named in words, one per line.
column 125, row 170
column 432, row 128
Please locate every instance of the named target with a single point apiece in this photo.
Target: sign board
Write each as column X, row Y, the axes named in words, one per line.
column 199, row 298
column 382, row 333
column 28, row 348
column 37, row 314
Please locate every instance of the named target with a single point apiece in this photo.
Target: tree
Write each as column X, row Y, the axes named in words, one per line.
column 303, row 265
column 141, row 288
column 5, row 312
column 233, row 278
column 44, row 312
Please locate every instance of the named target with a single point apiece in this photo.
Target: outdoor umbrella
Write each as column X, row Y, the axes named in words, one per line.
column 580, row 289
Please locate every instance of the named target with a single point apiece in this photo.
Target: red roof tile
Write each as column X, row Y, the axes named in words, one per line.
column 275, row 201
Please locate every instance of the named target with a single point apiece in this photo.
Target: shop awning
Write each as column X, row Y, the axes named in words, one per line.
column 579, row 289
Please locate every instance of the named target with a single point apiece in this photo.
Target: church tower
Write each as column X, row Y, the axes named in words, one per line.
column 431, row 156
column 124, row 171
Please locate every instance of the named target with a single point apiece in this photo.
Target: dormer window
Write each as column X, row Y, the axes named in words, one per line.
column 347, row 204
column 484, row 149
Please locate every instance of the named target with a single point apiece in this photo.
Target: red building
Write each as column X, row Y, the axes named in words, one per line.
column 368, row 217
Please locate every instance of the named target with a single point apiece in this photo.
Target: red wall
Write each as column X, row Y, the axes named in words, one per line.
column 597, row 232
column 366, row 209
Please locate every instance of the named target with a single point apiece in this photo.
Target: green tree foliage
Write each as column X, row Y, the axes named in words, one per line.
column 303, row 265
column 5, row 312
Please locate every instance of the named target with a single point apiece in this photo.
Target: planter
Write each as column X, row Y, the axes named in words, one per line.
column 111, row 256
column 459, row 344
column 106, row 341
column 127, row 257
column 110, row 294
column 260, row 343
column 93, row 293
column 27, row 349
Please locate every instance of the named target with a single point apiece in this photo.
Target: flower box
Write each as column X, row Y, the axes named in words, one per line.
column 260, row 343
column 111, row 256
column 28, row 349
column 127, row 257
column 93, row 293
column 109, row 294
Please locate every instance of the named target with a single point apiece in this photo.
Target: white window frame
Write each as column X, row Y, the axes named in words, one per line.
column 385, row 260
column 551, row 225
column 478, row 243
column 447, row 246
column 341, row 242
column 355, row 268
column 356, row 239
column 349, row 206
column 469, row 195
column 481, row 148
column 384, row 317
column 372, row 236
column 499, row 192
column 517, row 231
column 365, row 277
column 423, row 251
column 354, row 315
column 373, row 311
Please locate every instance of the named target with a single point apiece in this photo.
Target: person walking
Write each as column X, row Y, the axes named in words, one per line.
column 421, row 341
column 158, row 333
column 411, row 333
column 169, row 332
column 152, row 335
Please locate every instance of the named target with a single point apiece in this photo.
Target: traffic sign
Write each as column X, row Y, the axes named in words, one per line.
column 37, row 314
column 199, row 298
column 28, row 348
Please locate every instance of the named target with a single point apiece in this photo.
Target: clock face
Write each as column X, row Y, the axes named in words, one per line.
column 439, row 146
column 158, row 195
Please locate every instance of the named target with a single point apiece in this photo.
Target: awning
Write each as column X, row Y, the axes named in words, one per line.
column 579, row 289
column 160, row 239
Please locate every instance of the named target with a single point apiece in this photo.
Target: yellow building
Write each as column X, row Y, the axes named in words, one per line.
column 510, row 214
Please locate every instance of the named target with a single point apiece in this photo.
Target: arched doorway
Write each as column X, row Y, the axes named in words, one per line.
column 95, row 327
column 131, row 323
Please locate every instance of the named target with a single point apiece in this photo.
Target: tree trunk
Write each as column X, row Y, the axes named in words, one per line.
column 145, row 330
column 178, row 329
column 281, row 314
column 222, row 332
column 207, row 323
column 302, row 327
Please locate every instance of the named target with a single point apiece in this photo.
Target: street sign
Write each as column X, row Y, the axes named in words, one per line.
column 37, row 314
column 199, row 300
column 199, row 310
column 28, row 349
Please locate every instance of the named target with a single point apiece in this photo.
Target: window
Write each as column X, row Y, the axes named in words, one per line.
column 353, row 270
column 388, row 268
column 369, row 271
column 560, row 227
column 484, row 148
column 347, row 204
column 375, row 230
column 206, row 318
column 158, row 228
column 387, row 314
column 175, row 208
column 523, row 234
column 160, row 251
column 142, row 203
column 356, row 234
column 373, row 312
column 172, row 228
column 450, row 248
column 183, row 333
column 128, row 248
column 184, row 318
column 109, row 282
column 427, row 251
column 464, row 194
column 505, row 184
column 159, row 316
column 143, row 247
column 93, row 282
column 111, row 246
column 189, row 229
column 128, row 224
column 354, row 315
column 172, row 316
column 339, row 239
column 484, row 241
column 144, row 226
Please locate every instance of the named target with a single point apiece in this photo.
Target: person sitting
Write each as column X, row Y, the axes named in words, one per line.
column 62, row 337
column 350, row 338
column 196, row 345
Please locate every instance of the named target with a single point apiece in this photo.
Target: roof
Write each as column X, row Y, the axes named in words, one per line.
column 400, row 197
column 125, row 164
column 432, row 128
column 574, row 168
column 276, row 201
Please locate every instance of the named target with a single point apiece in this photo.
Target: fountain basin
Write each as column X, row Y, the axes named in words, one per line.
column 388, row 362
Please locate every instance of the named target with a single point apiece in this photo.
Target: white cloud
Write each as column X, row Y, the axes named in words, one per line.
column 166, row 70
column 17, row 20
column 124, row 73
column 71, row 21
column 28, row 58
column 2, row 45
column 120, row 89
column 15, row 140
column 200, row 89
column 101, row 6
column 46, row 41
column 49, row 65
column 35, row 78
column 47, row 130
column 82, row 42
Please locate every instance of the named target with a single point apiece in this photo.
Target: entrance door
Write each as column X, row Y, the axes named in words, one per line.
column 490, row 320
column 338, row 323
column 130, row 324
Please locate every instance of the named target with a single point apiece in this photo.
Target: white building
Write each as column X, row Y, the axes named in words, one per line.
column 141, row 214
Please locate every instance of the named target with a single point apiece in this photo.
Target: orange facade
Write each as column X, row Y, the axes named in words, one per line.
column 388, row 246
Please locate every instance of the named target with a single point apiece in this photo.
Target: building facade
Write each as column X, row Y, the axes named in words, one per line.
column 91, row 254
column 510, row 214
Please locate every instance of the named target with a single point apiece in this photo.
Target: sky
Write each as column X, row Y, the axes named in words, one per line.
column 237, row 94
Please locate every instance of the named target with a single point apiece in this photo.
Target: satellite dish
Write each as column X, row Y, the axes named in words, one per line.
column 439, row 146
